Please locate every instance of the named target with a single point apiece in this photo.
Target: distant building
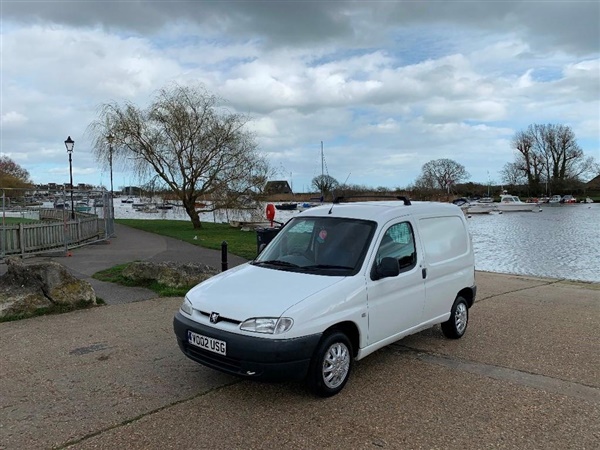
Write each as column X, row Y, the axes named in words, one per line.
column 593, row 184
column 132, row 191
column 278, row 187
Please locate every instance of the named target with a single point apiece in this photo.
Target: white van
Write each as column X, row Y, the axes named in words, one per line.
column 337, row 283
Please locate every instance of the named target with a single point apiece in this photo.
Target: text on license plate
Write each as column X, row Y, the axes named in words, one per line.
column 207, row 343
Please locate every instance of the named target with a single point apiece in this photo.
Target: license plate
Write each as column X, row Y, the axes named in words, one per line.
column 207, row 343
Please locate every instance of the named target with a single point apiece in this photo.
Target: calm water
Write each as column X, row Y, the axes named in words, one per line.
column 559, row 242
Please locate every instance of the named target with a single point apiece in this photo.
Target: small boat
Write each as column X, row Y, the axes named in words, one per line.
column 568, row 199
column 142, row 206
column 510, row 203
column 474, row 206
column 290, row 206
column 82, row 207
column 147, row 208
column 306, row 205
column 554, row 200
column 248, row 225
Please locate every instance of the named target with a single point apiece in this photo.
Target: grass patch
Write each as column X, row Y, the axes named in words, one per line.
column 211, row 235
column 18, row 220
column 115, row 275
column 55, row 309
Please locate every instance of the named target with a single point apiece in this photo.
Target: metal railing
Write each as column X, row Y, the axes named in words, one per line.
column 34, row 223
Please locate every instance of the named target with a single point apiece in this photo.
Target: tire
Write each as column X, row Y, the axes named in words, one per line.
column 456, row 326
column 331, row 365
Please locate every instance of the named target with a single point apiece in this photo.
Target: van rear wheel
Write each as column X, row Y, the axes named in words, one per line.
column 331, row 365
column 456, row 325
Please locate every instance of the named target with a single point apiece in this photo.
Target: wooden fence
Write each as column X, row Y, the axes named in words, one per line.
column 50, row 234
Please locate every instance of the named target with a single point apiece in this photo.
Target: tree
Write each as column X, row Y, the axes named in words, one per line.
column 198, row 149
column 512, row 174
column 441, row 174
column 550, row 153
column 12, row 175
column 325, row 184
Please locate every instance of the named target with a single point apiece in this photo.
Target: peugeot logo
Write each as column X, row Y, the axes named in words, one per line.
column 214, row 317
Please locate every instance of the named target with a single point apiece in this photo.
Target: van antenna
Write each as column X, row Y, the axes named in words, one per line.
column 335, row 197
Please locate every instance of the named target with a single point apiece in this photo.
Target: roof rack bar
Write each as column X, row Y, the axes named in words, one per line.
column 342, row 198
column 405, row 199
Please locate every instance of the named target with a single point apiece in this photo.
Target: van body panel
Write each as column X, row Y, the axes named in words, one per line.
column 395, row 304
column 248, row 291
column 332, row 267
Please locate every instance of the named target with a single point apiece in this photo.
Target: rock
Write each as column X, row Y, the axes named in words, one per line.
column 169, row 273
column 28, row 287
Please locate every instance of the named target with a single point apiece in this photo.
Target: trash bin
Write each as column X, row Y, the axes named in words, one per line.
column 264, row 236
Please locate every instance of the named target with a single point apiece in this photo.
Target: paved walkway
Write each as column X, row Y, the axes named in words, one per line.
column 525, row 376
column 130, row 245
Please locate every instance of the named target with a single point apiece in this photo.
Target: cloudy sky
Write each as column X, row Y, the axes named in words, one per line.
column 385, row 85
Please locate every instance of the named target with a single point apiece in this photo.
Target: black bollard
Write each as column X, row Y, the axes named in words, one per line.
column 224, row 256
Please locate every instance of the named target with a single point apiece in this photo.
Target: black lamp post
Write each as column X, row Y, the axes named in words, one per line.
column 110, row 139
column 70, row 143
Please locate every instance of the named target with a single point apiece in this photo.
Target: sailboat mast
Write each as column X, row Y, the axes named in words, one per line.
column 322, row 170
column 322, row 161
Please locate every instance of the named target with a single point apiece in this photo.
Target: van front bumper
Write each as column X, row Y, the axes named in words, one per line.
column 248, row 356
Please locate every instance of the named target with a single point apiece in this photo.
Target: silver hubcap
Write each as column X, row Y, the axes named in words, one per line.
column 336, row 364
column 461, row 317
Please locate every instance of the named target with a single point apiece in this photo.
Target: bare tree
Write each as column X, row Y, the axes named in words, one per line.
column 530, row 158
column 550, row 153
column 324, row 184
column 197, row 148
column 441, row 174
column 512, row 174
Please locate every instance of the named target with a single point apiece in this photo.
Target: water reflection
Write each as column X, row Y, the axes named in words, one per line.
column 559, row 242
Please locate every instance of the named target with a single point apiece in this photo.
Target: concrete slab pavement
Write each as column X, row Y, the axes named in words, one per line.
column 525, row 375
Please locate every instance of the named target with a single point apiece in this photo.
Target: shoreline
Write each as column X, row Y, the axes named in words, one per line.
column 586, row 283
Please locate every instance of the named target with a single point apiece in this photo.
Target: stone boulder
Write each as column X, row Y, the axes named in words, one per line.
column 27, row 287
column 169, row 273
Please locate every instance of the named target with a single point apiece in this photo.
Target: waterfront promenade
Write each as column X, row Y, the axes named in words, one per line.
column 526, row 375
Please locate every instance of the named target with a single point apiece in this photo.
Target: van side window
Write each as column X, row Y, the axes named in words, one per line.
column 398, row 242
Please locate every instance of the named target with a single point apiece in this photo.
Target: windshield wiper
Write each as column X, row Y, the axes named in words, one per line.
column 328, row 266
column 276, row 262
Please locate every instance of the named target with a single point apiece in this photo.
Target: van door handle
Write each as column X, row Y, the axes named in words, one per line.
column 424, row 273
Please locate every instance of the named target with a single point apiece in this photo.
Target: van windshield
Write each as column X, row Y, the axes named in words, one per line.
column 321, row 245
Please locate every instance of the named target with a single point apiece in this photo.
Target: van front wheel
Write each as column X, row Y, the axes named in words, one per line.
column 330, row 366
column 456, row 325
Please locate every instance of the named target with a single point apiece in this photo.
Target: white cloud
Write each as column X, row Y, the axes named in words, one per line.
column 386, row 87
column 13, row 119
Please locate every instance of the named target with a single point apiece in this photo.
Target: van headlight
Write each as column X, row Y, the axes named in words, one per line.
column 186, row 306
column 268, row 325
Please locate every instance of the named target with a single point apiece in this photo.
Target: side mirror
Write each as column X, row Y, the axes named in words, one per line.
column 388, row 267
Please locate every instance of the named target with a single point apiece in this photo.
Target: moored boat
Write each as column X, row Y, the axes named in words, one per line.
column 554, row 200
column 82, row 207
column 568, row 200
column 469, row 206
column 510, row 203
column 289, row 206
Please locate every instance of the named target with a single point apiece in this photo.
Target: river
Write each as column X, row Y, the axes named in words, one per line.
column 558, row 242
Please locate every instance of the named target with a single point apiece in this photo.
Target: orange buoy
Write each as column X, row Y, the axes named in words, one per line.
column 270, row 212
